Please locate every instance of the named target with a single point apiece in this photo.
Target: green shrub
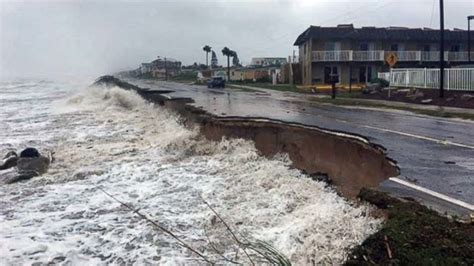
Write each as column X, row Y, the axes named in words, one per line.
column 384, row 83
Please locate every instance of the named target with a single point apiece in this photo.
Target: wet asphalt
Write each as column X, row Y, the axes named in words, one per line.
column 434, row 153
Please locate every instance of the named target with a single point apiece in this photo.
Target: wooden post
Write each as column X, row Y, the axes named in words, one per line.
column 350, row 77
column 333, row 83
column 390, row 82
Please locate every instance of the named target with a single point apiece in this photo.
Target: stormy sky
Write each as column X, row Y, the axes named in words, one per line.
column 74, row 38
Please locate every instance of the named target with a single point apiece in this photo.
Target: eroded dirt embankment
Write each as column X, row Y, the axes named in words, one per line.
column 351, row 162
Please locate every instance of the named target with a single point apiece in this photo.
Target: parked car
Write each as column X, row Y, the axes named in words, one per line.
column 216, row 82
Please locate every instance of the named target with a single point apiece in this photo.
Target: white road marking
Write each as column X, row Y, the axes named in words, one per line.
column 433, row 193
column 439, row 141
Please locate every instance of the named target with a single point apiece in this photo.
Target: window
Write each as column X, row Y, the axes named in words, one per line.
column 394, row 47
column 455, row 48
column 332, row 46
column 364, row 46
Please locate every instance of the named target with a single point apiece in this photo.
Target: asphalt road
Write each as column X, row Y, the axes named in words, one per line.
column 434, row 154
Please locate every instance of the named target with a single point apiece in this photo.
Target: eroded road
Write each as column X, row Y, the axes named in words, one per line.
column 435, row 155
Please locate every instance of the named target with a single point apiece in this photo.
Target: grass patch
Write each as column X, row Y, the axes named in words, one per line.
column 277, row 87
column 346, row 100
column 185, row 77
column 413, row 235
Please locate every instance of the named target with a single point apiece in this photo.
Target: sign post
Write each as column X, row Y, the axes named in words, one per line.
column 391, row 60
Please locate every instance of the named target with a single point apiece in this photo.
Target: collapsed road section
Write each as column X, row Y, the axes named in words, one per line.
column 350, row 162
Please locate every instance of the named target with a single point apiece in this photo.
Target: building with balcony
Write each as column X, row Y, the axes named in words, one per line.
column 267, row 61
column 356, row 55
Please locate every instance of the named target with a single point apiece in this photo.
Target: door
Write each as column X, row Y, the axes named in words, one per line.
column 328, row 72
column 365, row 74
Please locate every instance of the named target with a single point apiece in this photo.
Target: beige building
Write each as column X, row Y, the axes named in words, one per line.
column 237, row 74
column 356, row 55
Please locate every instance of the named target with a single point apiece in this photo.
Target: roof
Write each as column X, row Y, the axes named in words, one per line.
column 348, row 31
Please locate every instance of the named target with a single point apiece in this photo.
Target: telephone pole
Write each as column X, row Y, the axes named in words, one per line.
column 469, row 18
column 441, row 49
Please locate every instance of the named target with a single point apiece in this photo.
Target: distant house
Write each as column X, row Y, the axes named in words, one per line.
column 237, row 74
column 160, row 68
column 256, row 74
column 145, row 68
column 165, row 67
column 220, row 73
column 357, row 54
column 267, row 61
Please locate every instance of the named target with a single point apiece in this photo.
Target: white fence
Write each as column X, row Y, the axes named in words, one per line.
column 454, row 78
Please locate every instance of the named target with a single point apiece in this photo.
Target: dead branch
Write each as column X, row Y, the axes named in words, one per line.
column 158, row 226
column 239, row 243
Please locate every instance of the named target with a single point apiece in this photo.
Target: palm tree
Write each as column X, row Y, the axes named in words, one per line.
column 235, row 59
column 228, row 52
column 207, row 49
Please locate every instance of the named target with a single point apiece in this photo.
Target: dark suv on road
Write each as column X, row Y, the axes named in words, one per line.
column 216, row 82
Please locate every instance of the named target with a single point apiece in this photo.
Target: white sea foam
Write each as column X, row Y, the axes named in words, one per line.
column 111, row 138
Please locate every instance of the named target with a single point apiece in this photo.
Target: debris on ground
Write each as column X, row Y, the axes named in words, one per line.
column 413, row 235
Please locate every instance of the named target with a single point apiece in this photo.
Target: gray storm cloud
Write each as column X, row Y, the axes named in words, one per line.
column 72, row 38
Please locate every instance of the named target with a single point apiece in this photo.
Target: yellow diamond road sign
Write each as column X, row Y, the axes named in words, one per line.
column 391, row 59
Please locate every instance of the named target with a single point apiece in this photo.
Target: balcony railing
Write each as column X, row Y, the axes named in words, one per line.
column 368, row 55
column 332, row 56
column 379, row 55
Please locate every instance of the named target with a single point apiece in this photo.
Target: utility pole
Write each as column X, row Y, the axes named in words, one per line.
column 441, row 49
column 469, row 18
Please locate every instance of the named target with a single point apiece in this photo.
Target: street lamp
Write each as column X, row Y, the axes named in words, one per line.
column 469, row 18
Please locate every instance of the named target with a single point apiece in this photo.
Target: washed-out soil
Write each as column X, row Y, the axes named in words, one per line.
column 450, row 99
column 413, row 235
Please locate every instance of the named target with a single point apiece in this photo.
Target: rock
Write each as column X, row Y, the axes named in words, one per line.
column 450, row 99
column 404, row 90
column 321, row 177
column 8, row 176
column 30, row 153
column 416, row 94
column 372, row 88
column 426, row 101
column 30, row 163
column 9, row 161
column 467, row 97
column 34, row 166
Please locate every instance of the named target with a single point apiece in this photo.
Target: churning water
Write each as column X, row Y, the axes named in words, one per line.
column 141, row 154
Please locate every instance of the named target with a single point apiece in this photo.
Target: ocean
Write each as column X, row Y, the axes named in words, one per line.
column 112, row 140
